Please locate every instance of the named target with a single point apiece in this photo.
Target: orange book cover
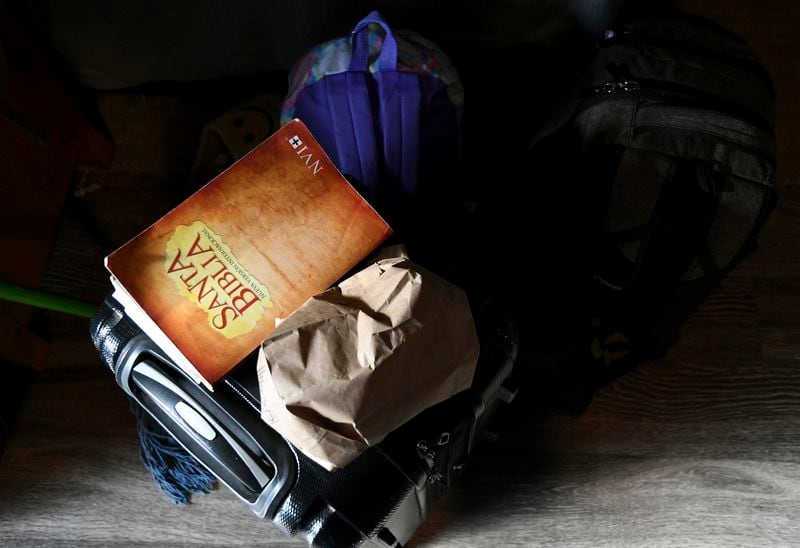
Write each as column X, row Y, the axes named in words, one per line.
column 215, row 273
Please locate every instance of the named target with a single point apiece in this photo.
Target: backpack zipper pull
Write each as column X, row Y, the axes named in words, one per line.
column 614, row 87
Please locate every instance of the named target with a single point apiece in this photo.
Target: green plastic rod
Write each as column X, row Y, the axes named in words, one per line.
column 43, row 299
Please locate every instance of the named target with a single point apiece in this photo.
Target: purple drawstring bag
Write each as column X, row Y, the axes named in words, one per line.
column 386, row 106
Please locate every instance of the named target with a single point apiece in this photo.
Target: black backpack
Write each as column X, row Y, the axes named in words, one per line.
column 670, row 145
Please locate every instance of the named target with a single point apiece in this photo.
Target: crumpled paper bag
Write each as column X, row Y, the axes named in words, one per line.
column 359, row 360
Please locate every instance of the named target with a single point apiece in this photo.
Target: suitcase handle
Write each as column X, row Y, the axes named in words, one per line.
column 220, row 429
column 192, row 420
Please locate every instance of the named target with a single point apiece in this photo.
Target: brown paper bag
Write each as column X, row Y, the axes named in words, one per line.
column 359, row 360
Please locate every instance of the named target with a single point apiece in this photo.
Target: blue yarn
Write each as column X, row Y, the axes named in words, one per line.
column 175, row 471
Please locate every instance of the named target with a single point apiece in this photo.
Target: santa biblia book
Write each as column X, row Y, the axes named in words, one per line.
column 208, row 281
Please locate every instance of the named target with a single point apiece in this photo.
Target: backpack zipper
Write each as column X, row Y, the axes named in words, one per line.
column 703, row 133
column 614, row 87
column 751, row 66
column 690, row 96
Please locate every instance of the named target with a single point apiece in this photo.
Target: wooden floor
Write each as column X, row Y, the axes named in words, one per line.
column 699, row 449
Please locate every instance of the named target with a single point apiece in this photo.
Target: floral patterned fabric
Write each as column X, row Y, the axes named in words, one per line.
column 414, row 54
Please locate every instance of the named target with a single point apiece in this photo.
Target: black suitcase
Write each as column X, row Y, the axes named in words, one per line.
column 379, row 499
